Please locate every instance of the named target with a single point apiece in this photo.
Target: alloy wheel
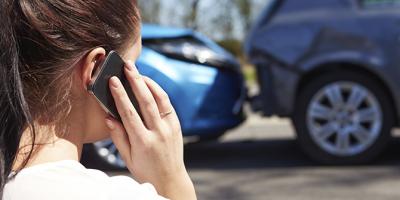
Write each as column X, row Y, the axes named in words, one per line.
column 344, row 118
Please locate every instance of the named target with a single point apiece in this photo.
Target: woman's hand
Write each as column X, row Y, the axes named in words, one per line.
column 153, row 148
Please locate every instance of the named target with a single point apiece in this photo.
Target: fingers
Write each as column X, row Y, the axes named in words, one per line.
column 130, row 117
column 120, row 138
column 160, row 96
column 147, row 104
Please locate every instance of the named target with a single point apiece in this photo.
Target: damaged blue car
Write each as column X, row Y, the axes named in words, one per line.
column 204, row 82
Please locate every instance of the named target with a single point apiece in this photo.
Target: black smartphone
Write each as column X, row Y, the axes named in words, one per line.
column 111, row 65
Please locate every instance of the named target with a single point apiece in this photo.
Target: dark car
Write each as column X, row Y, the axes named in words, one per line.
column 333, row 67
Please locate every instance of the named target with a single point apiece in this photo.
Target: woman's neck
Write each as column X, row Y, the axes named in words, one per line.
column 50, row 147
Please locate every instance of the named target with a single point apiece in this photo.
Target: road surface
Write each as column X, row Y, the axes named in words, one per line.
column 260, row 160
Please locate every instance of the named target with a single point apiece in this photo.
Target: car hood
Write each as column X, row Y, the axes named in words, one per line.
column 150, row 31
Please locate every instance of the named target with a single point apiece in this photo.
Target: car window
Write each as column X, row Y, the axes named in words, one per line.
column 269, row 5
column 379, row 3
column 269, row 9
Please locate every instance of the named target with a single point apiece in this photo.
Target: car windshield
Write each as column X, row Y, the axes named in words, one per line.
column 379, row 3
column 268, row 11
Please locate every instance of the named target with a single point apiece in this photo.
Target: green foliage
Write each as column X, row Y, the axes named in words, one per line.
column 233, row 46
column 250, row 74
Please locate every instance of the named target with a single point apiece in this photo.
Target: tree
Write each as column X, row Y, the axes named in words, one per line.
column 224, row 20
column 244, row 7
column 150, row 10
column 221, row 19
column 190, row 19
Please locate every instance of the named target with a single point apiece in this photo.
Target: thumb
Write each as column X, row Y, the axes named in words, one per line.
column 120, row 138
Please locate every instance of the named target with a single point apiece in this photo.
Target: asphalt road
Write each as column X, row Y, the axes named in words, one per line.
column 260, row 160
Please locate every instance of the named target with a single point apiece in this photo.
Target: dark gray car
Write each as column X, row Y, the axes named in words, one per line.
column 333, row 67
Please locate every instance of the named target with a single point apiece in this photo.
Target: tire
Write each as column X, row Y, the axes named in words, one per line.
column 109, row 159
column 345, row 133
column 210, row 138
column 92, row 157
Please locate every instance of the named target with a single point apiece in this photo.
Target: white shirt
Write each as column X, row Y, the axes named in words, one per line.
column 70, row 180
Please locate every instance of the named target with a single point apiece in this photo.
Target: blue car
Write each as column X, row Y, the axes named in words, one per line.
column 204, row 82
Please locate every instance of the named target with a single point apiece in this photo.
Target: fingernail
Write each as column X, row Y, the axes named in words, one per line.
column 114, row 82
column 109, row 124
column 129, row 65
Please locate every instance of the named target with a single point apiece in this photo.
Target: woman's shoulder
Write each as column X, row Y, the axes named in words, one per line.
column 65, row 171
column 71, row 180
column 58, row 180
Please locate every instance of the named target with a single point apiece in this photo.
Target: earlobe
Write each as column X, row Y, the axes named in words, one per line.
column 90, row 64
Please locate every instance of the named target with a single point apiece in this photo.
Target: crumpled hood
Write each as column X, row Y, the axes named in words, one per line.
column 150, row 31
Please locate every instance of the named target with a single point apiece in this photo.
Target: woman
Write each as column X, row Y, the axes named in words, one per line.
column 49, row 50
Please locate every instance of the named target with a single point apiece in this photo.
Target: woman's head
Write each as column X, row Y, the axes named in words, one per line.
column 49, row 50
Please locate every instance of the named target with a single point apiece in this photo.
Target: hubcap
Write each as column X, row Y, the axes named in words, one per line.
column 344, row 118
column 109, row 153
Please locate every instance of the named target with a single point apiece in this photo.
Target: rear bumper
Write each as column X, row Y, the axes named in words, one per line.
column 278, row 87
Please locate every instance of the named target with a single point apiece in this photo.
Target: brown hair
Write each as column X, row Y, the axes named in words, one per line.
column 40, row 43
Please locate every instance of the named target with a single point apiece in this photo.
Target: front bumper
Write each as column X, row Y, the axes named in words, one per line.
column 207, row 99
column 222, row 108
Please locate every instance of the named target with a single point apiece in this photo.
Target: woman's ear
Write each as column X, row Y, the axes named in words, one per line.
column 89, row 65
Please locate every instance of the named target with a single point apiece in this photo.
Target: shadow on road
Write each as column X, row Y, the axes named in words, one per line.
column 271, row 153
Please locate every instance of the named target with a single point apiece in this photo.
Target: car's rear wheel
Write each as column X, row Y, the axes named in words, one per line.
column 343, row 117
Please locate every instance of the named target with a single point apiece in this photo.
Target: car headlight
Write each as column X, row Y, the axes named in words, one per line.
column 190, row 49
